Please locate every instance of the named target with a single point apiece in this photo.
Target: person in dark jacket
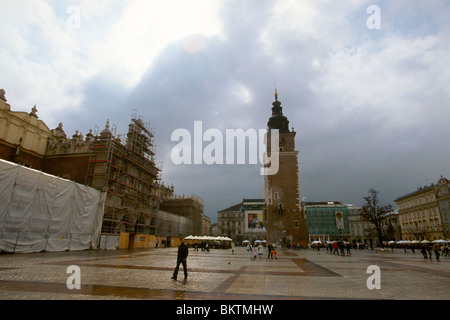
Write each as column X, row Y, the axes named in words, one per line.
column 183, row 252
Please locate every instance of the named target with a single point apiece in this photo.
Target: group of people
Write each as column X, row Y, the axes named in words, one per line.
column 162, row 244
column 204, row 246
column 340, row 248
column 258, row 251
column 336, row 247
column 427, row 251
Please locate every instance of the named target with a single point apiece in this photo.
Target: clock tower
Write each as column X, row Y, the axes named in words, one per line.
column 284, row 220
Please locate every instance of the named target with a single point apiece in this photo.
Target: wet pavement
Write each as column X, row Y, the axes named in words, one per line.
column 220, row 275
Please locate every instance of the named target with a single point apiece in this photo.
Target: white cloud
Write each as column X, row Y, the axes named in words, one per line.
column 42, row 56
column 38, row 58
column 146, row 27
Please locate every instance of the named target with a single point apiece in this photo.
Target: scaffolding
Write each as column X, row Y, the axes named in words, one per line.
column 128, row 173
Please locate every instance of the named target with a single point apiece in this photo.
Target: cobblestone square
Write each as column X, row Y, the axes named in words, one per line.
column 220, row 275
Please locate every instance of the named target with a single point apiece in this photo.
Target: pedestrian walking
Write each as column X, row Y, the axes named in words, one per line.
column 430, row 251
column 436, row 251
column 446, row 250
column 182, row 255
column 260, row 251
column 348, row 246
column 269, row 255
column 232, row 247
column 342, row 247
column 335, row 248
column 250, row 250
column 424, row 252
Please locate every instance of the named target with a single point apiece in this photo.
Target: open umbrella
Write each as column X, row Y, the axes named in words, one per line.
column 424, row 241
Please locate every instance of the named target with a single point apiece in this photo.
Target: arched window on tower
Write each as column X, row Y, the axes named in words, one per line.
column 280, row 209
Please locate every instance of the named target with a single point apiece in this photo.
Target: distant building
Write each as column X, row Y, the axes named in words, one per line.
column 327, row 221
column 358, row 227
column 206, row 228
column 190, row 207
column 443, row 199
column 230, row 222
column 423, row 214
column 243, row 221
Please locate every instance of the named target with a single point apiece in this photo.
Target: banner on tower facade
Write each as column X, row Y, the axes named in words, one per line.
column 254, row 222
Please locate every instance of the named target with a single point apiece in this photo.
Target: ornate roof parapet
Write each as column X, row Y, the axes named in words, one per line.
column 58, row 143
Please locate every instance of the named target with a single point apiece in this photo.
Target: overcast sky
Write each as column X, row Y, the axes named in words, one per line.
column 366, row 91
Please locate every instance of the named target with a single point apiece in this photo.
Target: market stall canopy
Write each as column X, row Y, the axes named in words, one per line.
column 440, row 241
column 218, row 238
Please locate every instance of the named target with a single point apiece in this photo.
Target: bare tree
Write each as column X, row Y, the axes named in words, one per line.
column 372, row 212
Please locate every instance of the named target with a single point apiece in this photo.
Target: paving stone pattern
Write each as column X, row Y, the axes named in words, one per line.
column 220, row 275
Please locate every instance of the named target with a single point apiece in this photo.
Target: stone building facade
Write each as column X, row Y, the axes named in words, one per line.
column 23, row 136
column 423, row 214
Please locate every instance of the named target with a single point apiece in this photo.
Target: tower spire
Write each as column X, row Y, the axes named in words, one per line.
column 278, row 120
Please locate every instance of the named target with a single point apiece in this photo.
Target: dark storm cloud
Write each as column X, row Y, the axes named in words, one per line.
column 181, row 87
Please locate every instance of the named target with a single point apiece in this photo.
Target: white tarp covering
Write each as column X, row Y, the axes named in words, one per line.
column 109, row 241
column 40, row 212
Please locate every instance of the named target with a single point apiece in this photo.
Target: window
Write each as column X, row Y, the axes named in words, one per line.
column 280, row 208
column 275, row 196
